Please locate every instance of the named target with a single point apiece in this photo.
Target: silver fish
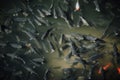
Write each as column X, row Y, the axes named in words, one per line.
column 96, row 5
column 32, row 38
column 44, row 47
column 30, row 22
column 40, row 13
column 13, row 56
column 18, row 19
column 51, row 46
column 41, row 60
column 30, row 70
column 15, row 45
column 46, row 12
column 37, row 22
column 84, row 21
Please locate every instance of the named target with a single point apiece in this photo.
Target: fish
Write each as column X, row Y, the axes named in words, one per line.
column 102, row 73
column 31, row 23
column 14, row 10
column 61, row 38
column 84, row 21
column 32, row 38
column 89, row 38
column 46, row 12
column 44, row 47
column 30, row 70
column 68, row 56
column 96, row 5
column 46, row 74
column 19, row 19
column 91, row 71
column 86, row 1
column 15, row 45
column 17, row 38
column 42, row 20
column 39, row 60
column 52, row 48
column 77, row 6
column 54, row 13
column 98, row 40
column 14, row 56
column 82, row 61
column 47, row 33
column 3, row 44
column 37, row 22
column 40, row 13
column 95, row 57
column 115, row 49
column 5, row 28
column 61, row 13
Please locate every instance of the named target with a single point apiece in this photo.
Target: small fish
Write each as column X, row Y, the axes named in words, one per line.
column 15, row 10
column 84, row 21
column 46, row 74
column 95, row 56
column 37, row 22
column 52, row 48
column 54, row 14
column 18, row 19
column 39, row 60
column 4, row 28
column 30, row 70
column 3, row 44
column 115, row 53
column 17, row 38
column 91, row 71
column 13, row 56
column 61, row 13
column 96, row 5
column 40, row 13
column 42, row 20
column 16, row 45
column 30, row 22
column 44, row 47
column 89, row 38
column 77, row 6
column 61, row 39
column 47, row 33
column 32, row 38
column 46, row 12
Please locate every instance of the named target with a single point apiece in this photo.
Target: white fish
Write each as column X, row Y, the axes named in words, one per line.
column 32, row 38
column 17, row 38
column 38, row 22
column 77, row 6
column 44, row 47
column 46, row 12
column 84, row 21
column 41, row 60
column 61, row 38
column 97, row 6
column 20, row 19
column 13, row 56
column 54, row 14
column 15, row 45
column 40, row 13
column 51, row 47
column 31, row 23
column 30, row 70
